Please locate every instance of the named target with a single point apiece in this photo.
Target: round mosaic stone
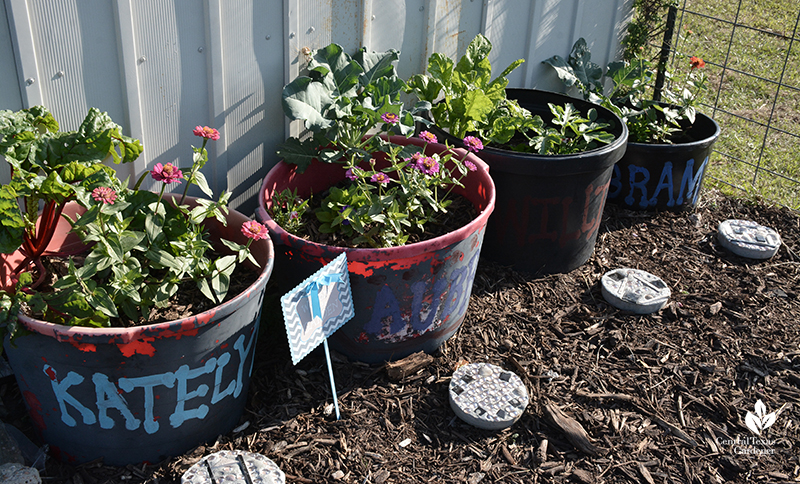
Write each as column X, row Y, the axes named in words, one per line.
column 487, row 396
column 234, row 466
column 748, row 239
column 634, row 290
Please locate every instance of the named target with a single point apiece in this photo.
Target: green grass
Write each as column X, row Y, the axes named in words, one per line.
column 740, row 160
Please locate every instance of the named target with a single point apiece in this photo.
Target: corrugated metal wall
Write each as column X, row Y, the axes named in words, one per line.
column 160, row 68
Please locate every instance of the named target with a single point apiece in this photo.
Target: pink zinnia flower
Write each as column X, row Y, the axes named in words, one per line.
column 382, row 178
column 390, row 118
column 428, row 165
column 473, row 144
column 350, row 175
column 168, row 173
column 428, row 137
column 470, row 165
column 105, row 195
column 206, row 132
column 254, row 230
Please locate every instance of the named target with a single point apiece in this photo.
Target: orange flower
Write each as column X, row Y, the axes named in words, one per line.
column 697, row 63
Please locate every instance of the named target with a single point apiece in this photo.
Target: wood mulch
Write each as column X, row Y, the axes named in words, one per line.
column 615, row 397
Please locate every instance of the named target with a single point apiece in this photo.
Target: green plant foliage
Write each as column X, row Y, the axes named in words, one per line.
column 630, row 84
column 466, row 100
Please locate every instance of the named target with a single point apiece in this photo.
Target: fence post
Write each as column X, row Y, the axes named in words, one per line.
column 666, row 46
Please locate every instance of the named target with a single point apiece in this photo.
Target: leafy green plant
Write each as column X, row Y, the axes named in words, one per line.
column 469, row 99
column 351, row 105
column 466, row 100
column 142, row 246
column 624, row 88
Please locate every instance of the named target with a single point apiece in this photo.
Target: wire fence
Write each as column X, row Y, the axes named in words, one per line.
column 753, row 58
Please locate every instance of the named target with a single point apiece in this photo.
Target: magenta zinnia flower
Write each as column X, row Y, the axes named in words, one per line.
column 428, row 137
column 105, row 195
column 381, row 178
column 254, row 230
column 473, row 144
column 206, row 132
column 168, row 173
column 390, row 118
column 470, row 165
column 350, row 175
column 428, row 165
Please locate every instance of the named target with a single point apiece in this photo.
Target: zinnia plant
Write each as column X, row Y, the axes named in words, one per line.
column 352, row 105
column 143, row 246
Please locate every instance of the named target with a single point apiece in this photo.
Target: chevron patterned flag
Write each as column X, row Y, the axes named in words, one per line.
column 317, row 307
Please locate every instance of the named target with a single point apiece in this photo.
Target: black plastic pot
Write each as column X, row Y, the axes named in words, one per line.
column 665, row 176
column 548, row 207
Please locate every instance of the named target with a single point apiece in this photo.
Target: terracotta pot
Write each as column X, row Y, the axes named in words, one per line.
column 144, row 393
column 407, row 298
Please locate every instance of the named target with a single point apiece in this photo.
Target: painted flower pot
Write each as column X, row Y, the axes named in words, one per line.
column 665, row 176
column 142, row 394
column 549, row 207
column 407, row 298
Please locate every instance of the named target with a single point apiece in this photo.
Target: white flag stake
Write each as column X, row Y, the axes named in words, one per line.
column 330, row 375
column 307, row 327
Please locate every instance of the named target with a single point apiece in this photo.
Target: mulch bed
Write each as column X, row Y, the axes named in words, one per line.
column 662, row 398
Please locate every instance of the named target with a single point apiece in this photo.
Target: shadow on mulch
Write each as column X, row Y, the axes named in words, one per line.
column 662, row 397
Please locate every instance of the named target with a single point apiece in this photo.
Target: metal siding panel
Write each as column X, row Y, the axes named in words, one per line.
column 77, row 59
column 170, row 42
column 252, row 47
column 508, row 27
column 22, row 30
column 10, row 95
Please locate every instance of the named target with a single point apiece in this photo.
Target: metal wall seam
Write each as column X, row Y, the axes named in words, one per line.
column 25, row 52
column 366, row 24
column 132, row 104
column 430, row 44
column 215, row 64
column 535, row 22
column 290, row 47
column 577, row 25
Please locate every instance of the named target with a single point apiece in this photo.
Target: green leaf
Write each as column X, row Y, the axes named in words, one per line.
column 200, row 180
column 12, row 225
column 306, row 99
column 376, row 65
column 299, row 153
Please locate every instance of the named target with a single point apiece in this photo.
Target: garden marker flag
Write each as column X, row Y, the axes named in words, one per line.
column 315, row 309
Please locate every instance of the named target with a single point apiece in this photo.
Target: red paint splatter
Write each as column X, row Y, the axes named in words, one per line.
column 51, row 373
column 86, row 347
column 142, row 347
column 34, row 409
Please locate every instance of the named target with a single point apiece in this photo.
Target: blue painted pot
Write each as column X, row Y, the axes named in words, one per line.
column 142, row 394
column 665, row 176
column 407, row 299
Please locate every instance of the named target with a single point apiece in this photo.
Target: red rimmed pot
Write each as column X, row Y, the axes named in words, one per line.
column 407, row 299
column 141, row 394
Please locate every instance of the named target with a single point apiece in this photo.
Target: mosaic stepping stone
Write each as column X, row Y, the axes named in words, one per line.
column 634, row 290
column 746, row 238
column 234, row 466
column 487, row 396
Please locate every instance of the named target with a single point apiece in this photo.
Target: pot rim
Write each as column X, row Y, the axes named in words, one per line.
column 116, row 335
column 388, row 253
